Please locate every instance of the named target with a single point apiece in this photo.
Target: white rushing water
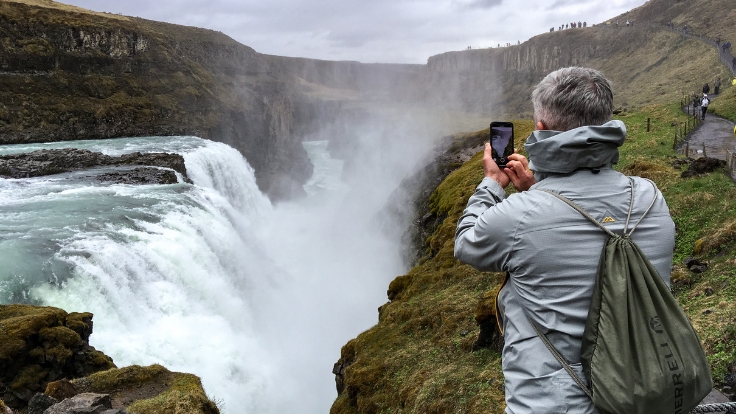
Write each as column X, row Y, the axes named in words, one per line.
column 209, row 278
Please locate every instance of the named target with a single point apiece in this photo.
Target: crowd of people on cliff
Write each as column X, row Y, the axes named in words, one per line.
column 573, row 25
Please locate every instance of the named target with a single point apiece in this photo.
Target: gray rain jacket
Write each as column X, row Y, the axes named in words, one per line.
column 551, row 253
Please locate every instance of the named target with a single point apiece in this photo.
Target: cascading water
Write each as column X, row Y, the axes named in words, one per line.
column 208, row 278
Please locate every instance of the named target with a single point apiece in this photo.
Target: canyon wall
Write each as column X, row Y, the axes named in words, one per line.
column 68, row 74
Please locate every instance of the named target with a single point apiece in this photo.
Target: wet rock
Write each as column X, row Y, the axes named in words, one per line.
column 86, row 403
column 56, row 161
column 695, row 265
column 40, row 402
column 702, row 165
column 144, row 175
column 709, row 292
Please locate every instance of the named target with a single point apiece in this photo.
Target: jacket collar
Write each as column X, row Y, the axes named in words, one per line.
column 555, row 152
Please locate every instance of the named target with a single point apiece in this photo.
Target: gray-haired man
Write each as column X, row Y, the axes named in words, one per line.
column 549, row 250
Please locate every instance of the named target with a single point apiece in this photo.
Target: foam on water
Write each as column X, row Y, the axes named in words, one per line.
column 209, row 278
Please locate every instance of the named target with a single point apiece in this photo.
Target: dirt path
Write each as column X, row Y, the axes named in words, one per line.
column 716, row 136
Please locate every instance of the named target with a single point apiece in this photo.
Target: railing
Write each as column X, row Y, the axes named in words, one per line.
column 731, row 162
column 683, row 129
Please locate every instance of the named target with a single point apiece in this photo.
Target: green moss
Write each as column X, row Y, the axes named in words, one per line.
column 59, row 354
column 60, row 335
column 185, row 395
column 106, row 381
column 725, row 104
column 19, row 322
column 81, row 323
column 100, row 360
column 28, row 376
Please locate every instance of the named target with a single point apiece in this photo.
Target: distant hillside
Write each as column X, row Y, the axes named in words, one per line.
column 646, row 63
column 69, row 73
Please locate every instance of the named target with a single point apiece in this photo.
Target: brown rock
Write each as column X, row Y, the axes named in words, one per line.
column 61, row 389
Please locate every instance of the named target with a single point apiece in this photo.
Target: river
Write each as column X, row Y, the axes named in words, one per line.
column 209, row 278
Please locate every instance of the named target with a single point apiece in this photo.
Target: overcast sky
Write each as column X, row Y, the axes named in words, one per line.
column 390, row 31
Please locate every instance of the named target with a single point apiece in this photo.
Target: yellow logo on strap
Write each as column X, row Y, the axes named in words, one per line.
column 609, row 219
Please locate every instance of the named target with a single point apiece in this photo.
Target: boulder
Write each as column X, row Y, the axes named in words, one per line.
column 85, row 403
column 40, row 402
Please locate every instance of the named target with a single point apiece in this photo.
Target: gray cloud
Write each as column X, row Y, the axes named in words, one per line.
column 483, row 4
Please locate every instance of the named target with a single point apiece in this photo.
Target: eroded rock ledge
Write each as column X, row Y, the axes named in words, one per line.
column 158, row 168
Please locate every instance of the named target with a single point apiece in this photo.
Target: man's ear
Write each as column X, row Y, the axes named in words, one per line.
column 540, row 126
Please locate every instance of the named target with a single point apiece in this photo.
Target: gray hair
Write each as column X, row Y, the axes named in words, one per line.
column 572, row 97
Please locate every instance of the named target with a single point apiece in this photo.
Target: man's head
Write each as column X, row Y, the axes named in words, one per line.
column 572, row 97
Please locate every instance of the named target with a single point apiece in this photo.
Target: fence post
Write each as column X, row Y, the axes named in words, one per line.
column 687, row 149
column 704, row 153
column 648, row 123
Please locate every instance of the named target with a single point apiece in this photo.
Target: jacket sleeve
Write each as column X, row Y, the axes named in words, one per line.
column 484, row 235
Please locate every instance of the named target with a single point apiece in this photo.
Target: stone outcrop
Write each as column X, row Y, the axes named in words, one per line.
column 159, row 168
column 48, row 367
column 41, row 344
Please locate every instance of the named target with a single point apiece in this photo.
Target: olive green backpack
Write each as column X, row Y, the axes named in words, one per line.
column 639, row 352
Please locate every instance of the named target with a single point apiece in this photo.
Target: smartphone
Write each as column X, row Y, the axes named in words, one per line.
column 502, row 142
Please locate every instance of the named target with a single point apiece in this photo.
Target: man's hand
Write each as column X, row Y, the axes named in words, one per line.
column 517, row 170
column 491, row 170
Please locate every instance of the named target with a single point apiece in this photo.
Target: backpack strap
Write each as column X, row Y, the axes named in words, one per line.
column 628, row 216
column 560, row 358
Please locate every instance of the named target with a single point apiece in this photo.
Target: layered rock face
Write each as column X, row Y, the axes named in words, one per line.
column 69, row 76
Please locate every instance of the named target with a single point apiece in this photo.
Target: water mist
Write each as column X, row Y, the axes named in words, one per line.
column 211, row 278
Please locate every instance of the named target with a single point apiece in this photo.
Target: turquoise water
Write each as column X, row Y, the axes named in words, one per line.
column 209, row 277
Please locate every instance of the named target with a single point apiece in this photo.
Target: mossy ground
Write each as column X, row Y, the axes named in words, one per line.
column 419, row 358
column 150, row 390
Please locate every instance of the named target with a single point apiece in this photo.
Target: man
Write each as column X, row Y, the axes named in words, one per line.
column 549, row 250
column 704, row 106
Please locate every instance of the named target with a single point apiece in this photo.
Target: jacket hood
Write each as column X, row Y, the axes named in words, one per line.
column 585, row 147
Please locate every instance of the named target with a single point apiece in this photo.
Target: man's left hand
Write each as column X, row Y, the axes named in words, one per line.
column 517, row 169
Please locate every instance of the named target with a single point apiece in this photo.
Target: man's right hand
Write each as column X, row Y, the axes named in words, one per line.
column 517, row 169
column 491, row 170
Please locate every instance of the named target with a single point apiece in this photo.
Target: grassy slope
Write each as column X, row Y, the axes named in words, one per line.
column 419, row 358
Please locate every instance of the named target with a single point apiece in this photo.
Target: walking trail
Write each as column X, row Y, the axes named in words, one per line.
column 716, row 133
column 716, row 136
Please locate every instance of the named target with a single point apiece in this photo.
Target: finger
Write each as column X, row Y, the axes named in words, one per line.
column 521, row 159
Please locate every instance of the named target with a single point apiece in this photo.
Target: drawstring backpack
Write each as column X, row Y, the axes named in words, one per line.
column 639, row 350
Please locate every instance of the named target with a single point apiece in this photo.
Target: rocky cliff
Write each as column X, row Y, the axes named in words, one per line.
column 69, row 73
column 46, row 362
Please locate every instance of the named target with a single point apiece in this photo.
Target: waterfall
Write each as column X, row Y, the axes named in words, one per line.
column 209, row 278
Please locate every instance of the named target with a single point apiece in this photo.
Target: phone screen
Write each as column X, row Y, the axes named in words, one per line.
column 502, row 141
